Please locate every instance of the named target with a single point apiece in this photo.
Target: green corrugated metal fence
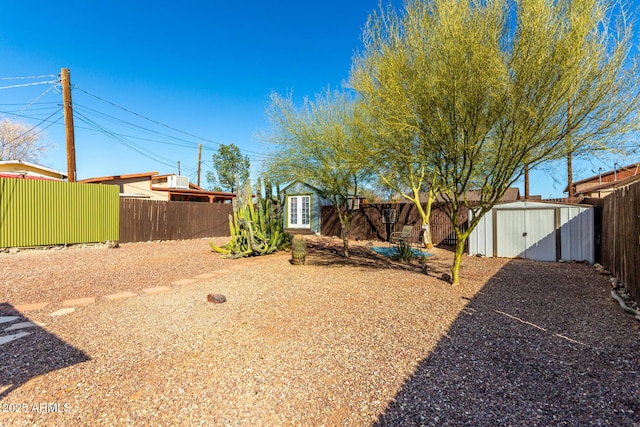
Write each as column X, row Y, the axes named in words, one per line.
column 41, row 213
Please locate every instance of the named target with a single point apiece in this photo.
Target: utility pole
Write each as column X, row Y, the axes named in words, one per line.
column 178, row 167
column 199, row 161
column 68, row 122
column 526, row 181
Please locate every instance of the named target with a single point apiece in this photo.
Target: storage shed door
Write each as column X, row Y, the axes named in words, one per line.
column 526, row 233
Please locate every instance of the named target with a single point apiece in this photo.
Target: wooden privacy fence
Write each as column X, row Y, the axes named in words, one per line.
column 143, row 220
column 621, row 236
column 43, row 213
column 378, row 221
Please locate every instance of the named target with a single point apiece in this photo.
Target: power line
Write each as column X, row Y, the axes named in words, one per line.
column 21, row 103
column 33, row 127
column 80, row 109
column 28, row 84
column 132, row 125
column 29, row 117
column 129, row 144
column 181, row 142
column 26, row 107
column 259, row 155
column 95, row 126
column 29, row 77
column 123, row 141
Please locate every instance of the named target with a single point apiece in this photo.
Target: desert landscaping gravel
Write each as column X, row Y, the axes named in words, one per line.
column 364, row 341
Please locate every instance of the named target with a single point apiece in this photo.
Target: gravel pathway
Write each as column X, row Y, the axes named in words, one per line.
column 334, row 342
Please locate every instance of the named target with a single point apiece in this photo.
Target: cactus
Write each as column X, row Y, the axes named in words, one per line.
column 298, row 250
column 255, row 230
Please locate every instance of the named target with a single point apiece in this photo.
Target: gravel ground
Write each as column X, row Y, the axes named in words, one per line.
column 334, row 342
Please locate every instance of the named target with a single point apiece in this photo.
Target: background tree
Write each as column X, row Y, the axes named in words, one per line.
column 20, row 141
column 231, row 168
column 485, row 84
column 317, row 144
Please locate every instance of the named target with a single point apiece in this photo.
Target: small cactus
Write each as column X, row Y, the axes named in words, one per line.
column 298, row 250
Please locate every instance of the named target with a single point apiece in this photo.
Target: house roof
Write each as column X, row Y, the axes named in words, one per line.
column 611, row 184
column 299, row 182
column 20, row 168
column 609, row 179
column 119, row 177
column 25, row 176
column 197, row 191
column 193, row 189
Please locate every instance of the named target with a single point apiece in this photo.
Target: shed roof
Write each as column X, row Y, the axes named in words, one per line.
column 538, row 204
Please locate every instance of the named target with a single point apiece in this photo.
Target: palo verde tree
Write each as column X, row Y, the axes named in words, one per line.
column 231, row 168
column 484, row 86
column 316, row 143
column 20, row 141
column 395, row 155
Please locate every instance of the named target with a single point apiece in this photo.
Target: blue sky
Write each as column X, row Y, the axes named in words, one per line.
column 201, row 71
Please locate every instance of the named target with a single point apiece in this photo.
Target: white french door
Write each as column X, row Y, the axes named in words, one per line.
column 299, row 211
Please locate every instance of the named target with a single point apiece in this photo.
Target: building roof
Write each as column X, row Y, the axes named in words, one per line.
column 28, row 170
column 610, row 178
column 197, row 191
column 193, row 190
column 119, row 177
column 299, row 182
column 611, row 184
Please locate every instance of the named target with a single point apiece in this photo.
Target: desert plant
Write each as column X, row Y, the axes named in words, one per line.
column 255, row 229
column 298, row 250
column 404, row 252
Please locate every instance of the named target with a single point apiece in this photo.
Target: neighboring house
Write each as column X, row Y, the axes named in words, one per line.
column 151, row 185
column 302, row 204
column 601, row 185
column 25, row 170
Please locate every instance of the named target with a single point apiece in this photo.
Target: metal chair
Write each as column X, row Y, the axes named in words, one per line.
column 404, row 236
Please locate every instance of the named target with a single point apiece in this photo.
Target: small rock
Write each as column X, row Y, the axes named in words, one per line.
column 216, row 298
column 446, row 277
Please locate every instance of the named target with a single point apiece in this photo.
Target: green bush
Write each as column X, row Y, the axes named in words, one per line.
column 404, row 252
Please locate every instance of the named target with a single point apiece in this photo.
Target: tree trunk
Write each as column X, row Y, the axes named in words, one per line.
column 425, row 215
column 345, row 241
column 457, row 259
column 426, row 236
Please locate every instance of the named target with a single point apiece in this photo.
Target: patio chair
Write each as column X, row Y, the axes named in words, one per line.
column 404, row 236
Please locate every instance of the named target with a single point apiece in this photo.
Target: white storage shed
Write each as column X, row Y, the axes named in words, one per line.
column 536, row 230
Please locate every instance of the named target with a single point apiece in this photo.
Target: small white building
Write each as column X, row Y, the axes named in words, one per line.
column 536, row 230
